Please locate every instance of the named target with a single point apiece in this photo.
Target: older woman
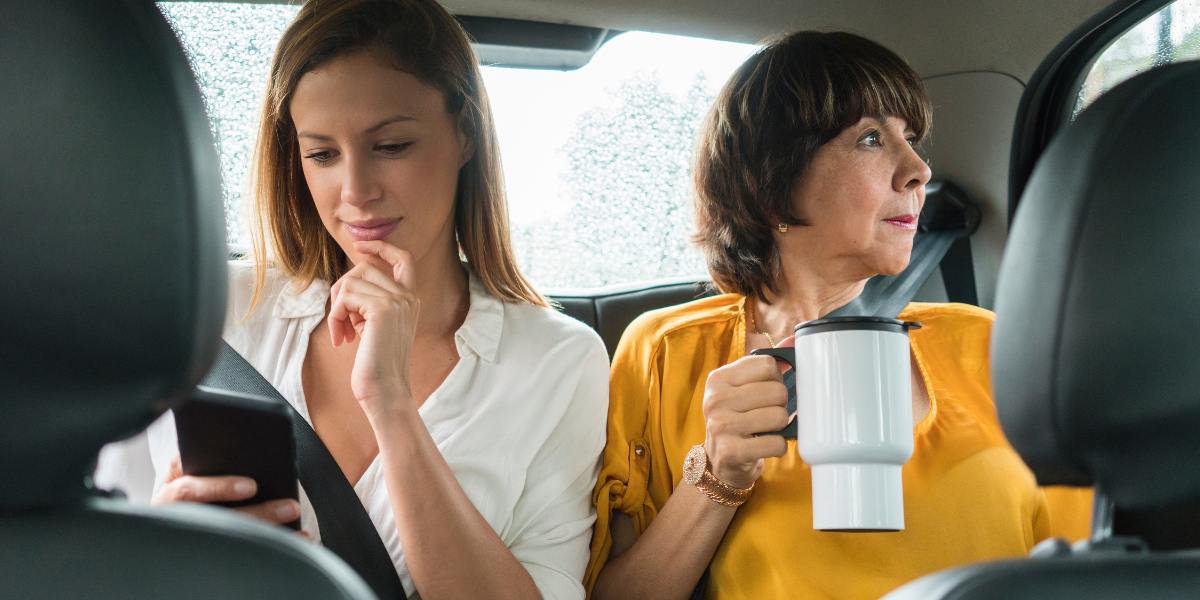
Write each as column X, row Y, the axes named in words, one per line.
column 808, row 184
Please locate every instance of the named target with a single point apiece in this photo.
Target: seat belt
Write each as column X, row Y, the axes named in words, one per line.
column 346, row 529
column 943, row 239
column 958, row 272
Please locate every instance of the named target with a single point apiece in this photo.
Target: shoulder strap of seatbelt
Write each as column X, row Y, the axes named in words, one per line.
column 958, row 272
column 346, row 529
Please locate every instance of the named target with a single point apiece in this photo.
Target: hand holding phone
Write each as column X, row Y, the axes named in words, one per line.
column 236, row 450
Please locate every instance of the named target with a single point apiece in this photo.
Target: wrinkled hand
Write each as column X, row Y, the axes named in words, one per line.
column 191, row 488
column 741, row 400
column 375, row 303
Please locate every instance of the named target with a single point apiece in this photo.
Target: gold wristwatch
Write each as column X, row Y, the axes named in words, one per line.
column 696, row 472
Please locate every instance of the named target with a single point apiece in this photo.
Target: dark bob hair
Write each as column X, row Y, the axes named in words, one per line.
column 787, row 100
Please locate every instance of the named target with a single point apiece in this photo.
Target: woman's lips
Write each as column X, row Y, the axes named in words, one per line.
column 374, row 229
column 904, row 221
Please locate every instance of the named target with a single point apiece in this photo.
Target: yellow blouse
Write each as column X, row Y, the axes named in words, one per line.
column 967, row 495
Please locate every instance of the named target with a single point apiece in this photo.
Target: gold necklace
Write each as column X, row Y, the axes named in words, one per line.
column 754, row 322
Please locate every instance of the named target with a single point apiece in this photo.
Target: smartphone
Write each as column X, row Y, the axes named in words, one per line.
column 229, row 433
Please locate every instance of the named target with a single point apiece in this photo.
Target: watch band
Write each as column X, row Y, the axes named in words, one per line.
column 722, row 493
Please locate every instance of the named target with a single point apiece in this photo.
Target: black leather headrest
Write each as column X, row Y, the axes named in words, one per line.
column 609, row 312
column 1096, row 346
column 111, row 239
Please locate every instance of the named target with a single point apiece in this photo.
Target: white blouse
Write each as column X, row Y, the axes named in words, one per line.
column 520, row 419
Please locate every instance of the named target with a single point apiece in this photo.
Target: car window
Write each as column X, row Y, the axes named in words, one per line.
column 596, row 160
column 1168, row 36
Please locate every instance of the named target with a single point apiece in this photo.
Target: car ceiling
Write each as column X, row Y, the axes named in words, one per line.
column 935, row 36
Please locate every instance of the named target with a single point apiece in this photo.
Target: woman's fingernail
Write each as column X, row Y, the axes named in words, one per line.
column 287, row 511
column 244, row 487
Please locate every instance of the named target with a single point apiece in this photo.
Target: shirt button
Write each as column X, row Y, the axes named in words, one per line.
column 639, row 450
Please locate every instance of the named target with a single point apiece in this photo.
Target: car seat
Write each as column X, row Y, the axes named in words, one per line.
column 112, row 251
column 1096, row 346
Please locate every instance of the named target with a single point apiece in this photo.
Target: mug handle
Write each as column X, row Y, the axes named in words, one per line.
column 787, row 355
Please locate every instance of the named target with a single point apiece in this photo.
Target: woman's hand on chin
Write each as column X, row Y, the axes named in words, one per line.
column 376, row 303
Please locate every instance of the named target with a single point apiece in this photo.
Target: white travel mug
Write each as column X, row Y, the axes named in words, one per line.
column 854, row 419
column 853, row 400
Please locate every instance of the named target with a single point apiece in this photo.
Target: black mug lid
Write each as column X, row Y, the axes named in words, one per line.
column 855, row 324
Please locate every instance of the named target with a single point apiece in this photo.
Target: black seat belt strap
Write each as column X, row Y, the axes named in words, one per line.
column 346, row 529
column 958, row 272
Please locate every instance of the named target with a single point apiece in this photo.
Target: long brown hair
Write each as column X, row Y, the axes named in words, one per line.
column 418, row 37
column 790, row 98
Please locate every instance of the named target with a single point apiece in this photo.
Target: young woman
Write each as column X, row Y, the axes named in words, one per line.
column 384, row 303
column 807, row 185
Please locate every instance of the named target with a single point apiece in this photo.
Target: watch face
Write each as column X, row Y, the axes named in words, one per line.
column 693, row 465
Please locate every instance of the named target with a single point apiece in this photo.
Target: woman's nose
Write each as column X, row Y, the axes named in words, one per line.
column 913, row 171
column 359, row 183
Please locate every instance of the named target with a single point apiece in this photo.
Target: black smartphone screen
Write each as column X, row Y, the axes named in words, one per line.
column 228, row 433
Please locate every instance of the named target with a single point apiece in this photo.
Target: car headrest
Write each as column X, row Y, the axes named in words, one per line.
column 1097, row 335
column 111, row 240
column 610, row 311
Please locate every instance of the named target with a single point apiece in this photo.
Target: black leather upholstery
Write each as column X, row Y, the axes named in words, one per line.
column 610, row 312
column 1096, row 342
column 112, row 235
column 1094, row 577
column 1097, row 335
column 106, row 548
column 112, row 253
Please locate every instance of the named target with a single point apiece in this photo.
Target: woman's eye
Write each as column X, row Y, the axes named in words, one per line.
column 320, row 157
column 871, row 139
column 393, row 149
column 912, row 141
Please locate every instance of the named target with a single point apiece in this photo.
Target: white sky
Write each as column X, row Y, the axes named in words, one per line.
column 536, row 110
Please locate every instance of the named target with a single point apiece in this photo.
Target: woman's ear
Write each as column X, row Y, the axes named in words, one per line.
column 467, row 153
column 466, row 145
